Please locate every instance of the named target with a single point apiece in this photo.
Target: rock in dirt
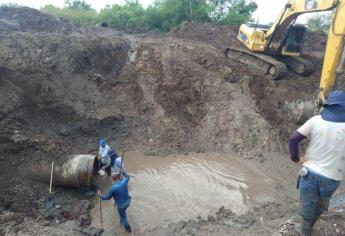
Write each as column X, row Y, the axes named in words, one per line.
column 90, row 194
column 300, row 111
column 84, row 219
column 92, row 231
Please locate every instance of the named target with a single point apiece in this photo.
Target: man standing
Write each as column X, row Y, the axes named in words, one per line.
column 119, row 191
column 324, row 161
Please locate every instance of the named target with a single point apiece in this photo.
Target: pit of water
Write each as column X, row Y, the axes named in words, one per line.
column 182, row 187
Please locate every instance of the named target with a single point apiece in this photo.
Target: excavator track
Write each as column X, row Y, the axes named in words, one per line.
column 299, row 65
column 266, row 64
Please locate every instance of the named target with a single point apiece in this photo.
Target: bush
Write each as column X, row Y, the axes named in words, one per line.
column 130, row 17
column 320, row 21
column 77, row 16
column 161, row 15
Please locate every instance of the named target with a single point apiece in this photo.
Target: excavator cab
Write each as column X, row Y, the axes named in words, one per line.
column 293, row 42
column 252, row 35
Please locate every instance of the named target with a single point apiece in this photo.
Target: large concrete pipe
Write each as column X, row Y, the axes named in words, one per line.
column 78, row 171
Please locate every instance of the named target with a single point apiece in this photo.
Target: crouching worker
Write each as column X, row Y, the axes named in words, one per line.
column 105, row 156
column 119, row 191
column 119, row 165
column 324, row 161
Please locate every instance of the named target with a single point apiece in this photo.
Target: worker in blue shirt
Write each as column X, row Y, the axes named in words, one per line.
column 119, row 191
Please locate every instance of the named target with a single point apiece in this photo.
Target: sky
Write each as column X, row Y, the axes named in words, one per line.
column 268, row 10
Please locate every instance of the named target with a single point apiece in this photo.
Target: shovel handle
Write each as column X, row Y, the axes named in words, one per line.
column 51, row 178
column 122, row 158
column 100, row 211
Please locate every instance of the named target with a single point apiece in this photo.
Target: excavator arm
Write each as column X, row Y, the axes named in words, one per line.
column 275, row 36
column 334, row 60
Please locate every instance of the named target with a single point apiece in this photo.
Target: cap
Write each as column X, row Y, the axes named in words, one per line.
column 336, row 97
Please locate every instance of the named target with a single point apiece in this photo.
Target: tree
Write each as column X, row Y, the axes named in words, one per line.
column 78, row 12
column 319, row 21
column 231, row 11
column 161, row 15
column 78, row 5
column 131, row 16
column 165, row 14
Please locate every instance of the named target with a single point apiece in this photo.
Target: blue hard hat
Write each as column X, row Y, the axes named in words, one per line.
column 336, row 97
column 334, row 107
column 101, row 142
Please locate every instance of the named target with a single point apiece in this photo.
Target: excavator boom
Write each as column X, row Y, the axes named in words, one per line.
column 334, row 60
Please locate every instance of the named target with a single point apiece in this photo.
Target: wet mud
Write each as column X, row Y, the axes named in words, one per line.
column 169, row 189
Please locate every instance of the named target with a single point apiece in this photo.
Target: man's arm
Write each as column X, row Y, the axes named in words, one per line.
column 294, row 141
column 126, row 177
column 108, row 195
column 99, row 154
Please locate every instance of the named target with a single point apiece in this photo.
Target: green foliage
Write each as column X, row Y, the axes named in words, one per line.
column 234, row 12
column 78, row 5
column 239, row 13
column 161, row 15
column 165, row 14
column 319, row 22
column 79, row 13
column 131, row 16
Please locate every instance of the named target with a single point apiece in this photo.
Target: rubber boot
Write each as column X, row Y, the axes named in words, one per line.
column 306, row 229
column 303, row 228
column 128, row 228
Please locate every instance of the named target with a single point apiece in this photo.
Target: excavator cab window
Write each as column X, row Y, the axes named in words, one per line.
column 294, row 41
column 262, row 27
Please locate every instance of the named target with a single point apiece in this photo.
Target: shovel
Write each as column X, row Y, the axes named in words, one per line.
column 100, row 211
column 49, row 202
column 123, row 157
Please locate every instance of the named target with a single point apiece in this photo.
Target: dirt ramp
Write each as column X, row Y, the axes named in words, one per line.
column 193, row 99
column 269, row 96
column 220, row 36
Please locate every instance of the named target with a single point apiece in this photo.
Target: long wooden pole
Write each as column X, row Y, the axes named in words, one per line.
column 123, row 156
column 51, row 178
column 100, row 210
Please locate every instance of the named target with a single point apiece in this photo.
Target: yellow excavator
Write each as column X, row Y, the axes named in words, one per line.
column 275, row 49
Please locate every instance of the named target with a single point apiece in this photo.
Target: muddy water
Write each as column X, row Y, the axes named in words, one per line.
column 169, row 189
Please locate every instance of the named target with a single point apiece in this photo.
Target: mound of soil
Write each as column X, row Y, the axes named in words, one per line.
column 26, row 19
